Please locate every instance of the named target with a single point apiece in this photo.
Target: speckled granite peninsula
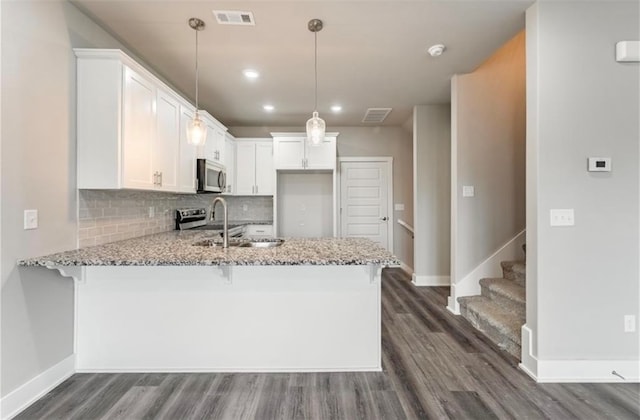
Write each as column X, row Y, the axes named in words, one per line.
column 163, row 303
column 179, row 249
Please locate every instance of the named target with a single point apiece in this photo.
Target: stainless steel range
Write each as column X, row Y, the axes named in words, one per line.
column 196, row 219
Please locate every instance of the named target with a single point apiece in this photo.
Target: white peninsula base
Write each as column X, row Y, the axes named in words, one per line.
column 228, row 318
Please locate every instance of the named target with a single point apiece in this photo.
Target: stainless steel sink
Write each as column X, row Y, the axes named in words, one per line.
column 270, row 243
column 217, row 243
column 244, row 243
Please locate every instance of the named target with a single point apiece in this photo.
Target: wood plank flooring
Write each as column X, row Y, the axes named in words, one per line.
column 436, row 366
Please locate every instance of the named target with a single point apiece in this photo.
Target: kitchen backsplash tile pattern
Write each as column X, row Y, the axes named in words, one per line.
column 109, row 216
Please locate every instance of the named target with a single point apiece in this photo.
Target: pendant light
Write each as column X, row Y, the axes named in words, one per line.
column 315, row 126
column 196, row 129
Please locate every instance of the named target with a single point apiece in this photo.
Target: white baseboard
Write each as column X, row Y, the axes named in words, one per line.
column 582, row 371
column 529, row 363
column 469, row 285
column 241, row 369
column 20, row 398
column 452, row 302
column 430, row 280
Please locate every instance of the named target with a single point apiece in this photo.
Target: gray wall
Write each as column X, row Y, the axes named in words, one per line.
column 583, row 103
column 371, row 141
column 305, row 205
column 488, row 114
column 432, row 177
column 38, row 172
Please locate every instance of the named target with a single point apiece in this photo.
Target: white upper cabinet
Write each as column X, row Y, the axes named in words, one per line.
column 138, row 131
column 188, row 153
column 254, row 167
column 288, row 152
column 214, row 147
column 230, row 162
column 166, row 147
column 265, row 173
column 292, row 151
column 132, row 127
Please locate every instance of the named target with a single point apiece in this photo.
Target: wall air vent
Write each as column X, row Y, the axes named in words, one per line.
column 230, row 17
column 376, row 115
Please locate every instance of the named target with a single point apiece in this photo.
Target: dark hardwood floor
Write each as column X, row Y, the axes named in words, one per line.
column 436, row 366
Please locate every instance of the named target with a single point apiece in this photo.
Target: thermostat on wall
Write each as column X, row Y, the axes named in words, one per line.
column 598, row 164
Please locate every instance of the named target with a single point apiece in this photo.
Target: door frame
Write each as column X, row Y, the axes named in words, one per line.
column 375, row 159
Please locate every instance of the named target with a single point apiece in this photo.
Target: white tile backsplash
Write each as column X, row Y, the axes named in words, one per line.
column 111, row 215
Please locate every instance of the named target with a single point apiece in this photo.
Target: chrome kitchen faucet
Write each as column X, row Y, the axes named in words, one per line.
column 225, row 225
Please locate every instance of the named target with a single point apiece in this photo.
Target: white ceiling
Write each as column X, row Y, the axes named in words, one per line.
column 370, row 53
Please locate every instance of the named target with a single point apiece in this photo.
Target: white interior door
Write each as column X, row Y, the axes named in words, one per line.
column 364, row 201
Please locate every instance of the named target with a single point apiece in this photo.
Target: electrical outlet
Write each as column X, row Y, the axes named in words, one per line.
column 30, row 219
column 152, row 211
column 245, row 207
column 629, row 323
column 399, row 207
column 562, row 217
column 468, row 191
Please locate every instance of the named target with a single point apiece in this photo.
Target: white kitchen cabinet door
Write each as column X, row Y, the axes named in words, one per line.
column 139, row 99
column 265, row 172
column 215, row 144
column 321, row 156
column 188, row 153
column 245, row 168
column 230, row 163
column 166, row 148
column 288, row 152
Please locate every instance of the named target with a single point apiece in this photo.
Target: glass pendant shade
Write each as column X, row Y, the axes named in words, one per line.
column 315, row 129
column 196, row 131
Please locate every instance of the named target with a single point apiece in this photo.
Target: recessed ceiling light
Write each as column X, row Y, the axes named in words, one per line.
column 251, row 74
column 436, row 50
column 268, row 107
column 336, row 108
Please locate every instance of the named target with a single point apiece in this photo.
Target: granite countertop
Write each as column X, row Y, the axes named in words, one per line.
column 177, row 248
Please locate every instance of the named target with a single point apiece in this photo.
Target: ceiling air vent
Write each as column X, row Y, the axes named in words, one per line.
column 376, row 115
column 230, row 17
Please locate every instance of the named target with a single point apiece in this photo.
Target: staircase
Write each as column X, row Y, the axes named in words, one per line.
column 499, row 312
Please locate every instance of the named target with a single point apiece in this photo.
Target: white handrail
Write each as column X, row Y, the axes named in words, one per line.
column 406, row 226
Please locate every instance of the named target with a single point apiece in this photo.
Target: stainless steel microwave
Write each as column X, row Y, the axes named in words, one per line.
column 211, row 176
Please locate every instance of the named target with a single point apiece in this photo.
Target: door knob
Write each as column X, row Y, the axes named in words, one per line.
column 384, row 219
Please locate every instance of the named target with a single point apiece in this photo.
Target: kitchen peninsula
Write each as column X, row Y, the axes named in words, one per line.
column 163, row 303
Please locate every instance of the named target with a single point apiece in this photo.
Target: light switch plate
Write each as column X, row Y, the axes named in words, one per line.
column 399, row 207
column 31, row 219
column 468, row 191
column 562, row 217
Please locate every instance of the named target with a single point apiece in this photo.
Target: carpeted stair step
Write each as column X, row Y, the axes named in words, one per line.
column 515, row 270
column 505, row 293
column 501, row 325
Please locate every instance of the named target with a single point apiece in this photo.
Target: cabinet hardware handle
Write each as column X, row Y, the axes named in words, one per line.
column 256, row 189
column 161, row 179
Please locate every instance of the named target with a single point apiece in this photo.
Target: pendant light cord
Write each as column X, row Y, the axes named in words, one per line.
column 197, row 70
column 315, row 36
